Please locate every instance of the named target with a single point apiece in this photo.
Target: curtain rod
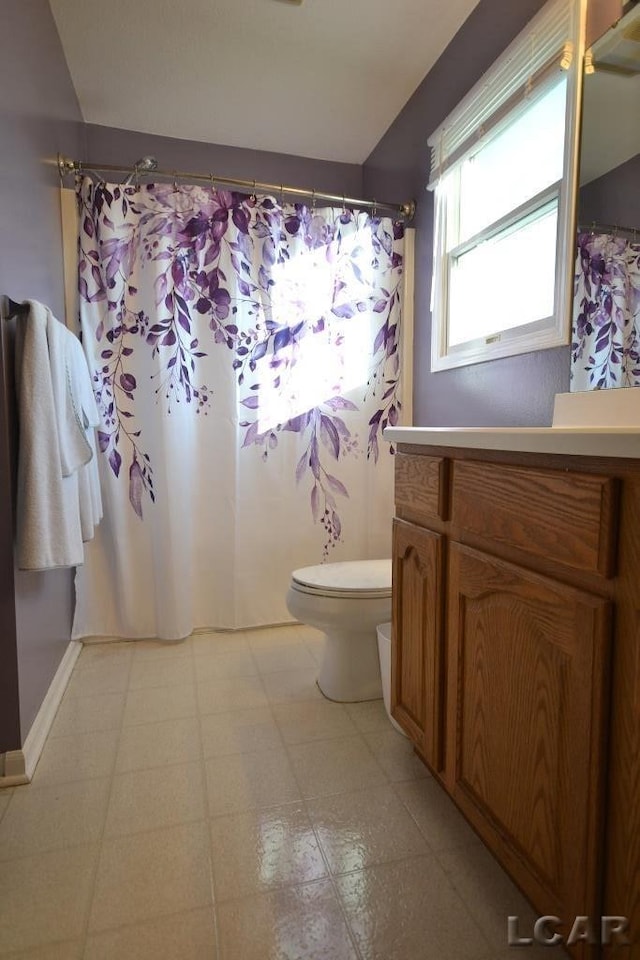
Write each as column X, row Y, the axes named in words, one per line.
column 67, row 166
column 595, row 227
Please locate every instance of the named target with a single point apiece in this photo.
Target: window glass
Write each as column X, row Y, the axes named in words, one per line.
column 518, row 163
column 505, row 282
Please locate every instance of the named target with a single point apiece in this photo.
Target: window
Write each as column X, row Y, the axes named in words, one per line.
column 503, row 172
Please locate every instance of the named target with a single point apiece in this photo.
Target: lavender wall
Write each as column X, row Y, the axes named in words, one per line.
column 512, row 391
column 613, row 198
column 9, row 704
column 110, row 145
column 39, row 115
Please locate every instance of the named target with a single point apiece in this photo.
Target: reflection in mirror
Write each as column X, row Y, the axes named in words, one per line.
column 605, row 350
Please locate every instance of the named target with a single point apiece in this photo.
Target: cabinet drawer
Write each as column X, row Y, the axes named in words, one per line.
column 420, row 487
column 566, row 517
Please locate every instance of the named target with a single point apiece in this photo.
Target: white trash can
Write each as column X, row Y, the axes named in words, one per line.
column 384, row 652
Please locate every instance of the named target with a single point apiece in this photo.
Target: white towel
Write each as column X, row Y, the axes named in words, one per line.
column 54, row 445
column 48, row 527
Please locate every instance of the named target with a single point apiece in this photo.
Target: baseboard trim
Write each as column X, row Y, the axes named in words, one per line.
column 18, row 766
column 13, row 768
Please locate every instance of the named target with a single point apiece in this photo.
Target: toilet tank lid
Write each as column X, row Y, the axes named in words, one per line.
column 350, row 575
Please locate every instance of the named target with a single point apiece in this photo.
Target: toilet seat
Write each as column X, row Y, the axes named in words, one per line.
column 352, row 579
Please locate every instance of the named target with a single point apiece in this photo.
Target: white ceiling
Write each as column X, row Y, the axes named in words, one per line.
column 323, row 80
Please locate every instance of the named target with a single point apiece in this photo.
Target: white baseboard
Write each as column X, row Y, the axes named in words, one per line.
column 12, row 765
column 18, row 766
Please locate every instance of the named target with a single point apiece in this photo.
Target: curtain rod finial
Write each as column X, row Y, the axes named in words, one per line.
column 408, row 209
column 65, row 166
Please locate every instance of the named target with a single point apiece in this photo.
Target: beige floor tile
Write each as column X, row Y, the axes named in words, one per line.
column 438, row 818
column 239, row 731
column 289, row 656
column 293, row 923
column 369, row 716
column 533, row 952
column 488, row 892
column 292, row 686
column 315, row 646
column 160, row 703
column 210, row 644
column 69, row 950
column 308, row 634
column 160, row 672
column 53, row 817
column 358, row 829
column 158, row 744
column 334, row 766
column 183, row 936
column 396, row 755
column 104, row 677
column 249, row 781
column 408, row 910
column 266, row 848
column 221, row 666
column 151, row 799
column 45, row 898
column 265, row 637
column 87, row 714
column 81, row 757
column 162, row 649
column 315, row 720
column 5, row 796
column 107, row 652
column 150, row 875
column 232, row 693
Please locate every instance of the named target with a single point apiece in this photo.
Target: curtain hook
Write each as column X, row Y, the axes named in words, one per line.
column 344, row 206
column 253, row 194
column 375, row 207
column 313, row 200
column 212, row 178
column 175, row 181
column 282, row 195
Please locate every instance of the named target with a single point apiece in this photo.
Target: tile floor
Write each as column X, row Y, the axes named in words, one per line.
column 203, row 801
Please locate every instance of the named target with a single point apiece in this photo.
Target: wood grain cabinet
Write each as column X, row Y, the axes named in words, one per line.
column 516, row 664
column 418, row 667
column 527, row 672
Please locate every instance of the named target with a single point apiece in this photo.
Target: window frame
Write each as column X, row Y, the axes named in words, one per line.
column 547, row 332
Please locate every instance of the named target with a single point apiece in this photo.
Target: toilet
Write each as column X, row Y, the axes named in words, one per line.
column 346, row 601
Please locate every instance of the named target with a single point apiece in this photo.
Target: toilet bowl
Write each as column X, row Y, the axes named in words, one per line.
column 346, row 601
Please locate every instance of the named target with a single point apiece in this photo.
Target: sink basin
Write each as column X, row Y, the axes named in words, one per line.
column 598, row 408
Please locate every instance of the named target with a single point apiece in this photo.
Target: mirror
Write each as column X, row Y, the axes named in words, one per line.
column 605, row 350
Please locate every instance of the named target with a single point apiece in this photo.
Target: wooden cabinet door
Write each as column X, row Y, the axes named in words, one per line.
column 417, row 664
column 527, row 691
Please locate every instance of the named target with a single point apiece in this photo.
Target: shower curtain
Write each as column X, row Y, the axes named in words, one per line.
column 245, row 360
column 605, row 349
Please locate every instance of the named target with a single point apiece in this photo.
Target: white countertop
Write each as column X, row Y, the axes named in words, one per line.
column 577, row 441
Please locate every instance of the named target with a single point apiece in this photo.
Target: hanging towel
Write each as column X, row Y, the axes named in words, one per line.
column 54, row 447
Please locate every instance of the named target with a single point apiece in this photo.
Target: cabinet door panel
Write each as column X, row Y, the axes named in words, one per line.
column 528, row 675
column 417, row 661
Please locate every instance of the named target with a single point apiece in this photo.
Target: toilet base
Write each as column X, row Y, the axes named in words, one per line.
column 350, row 669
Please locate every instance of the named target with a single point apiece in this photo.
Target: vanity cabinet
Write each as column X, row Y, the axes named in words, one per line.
column 527, row 665
column 418, row 666
column 514, row 636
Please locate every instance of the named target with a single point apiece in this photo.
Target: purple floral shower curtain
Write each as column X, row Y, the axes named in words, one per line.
column 605, row 349
column 245, row 359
